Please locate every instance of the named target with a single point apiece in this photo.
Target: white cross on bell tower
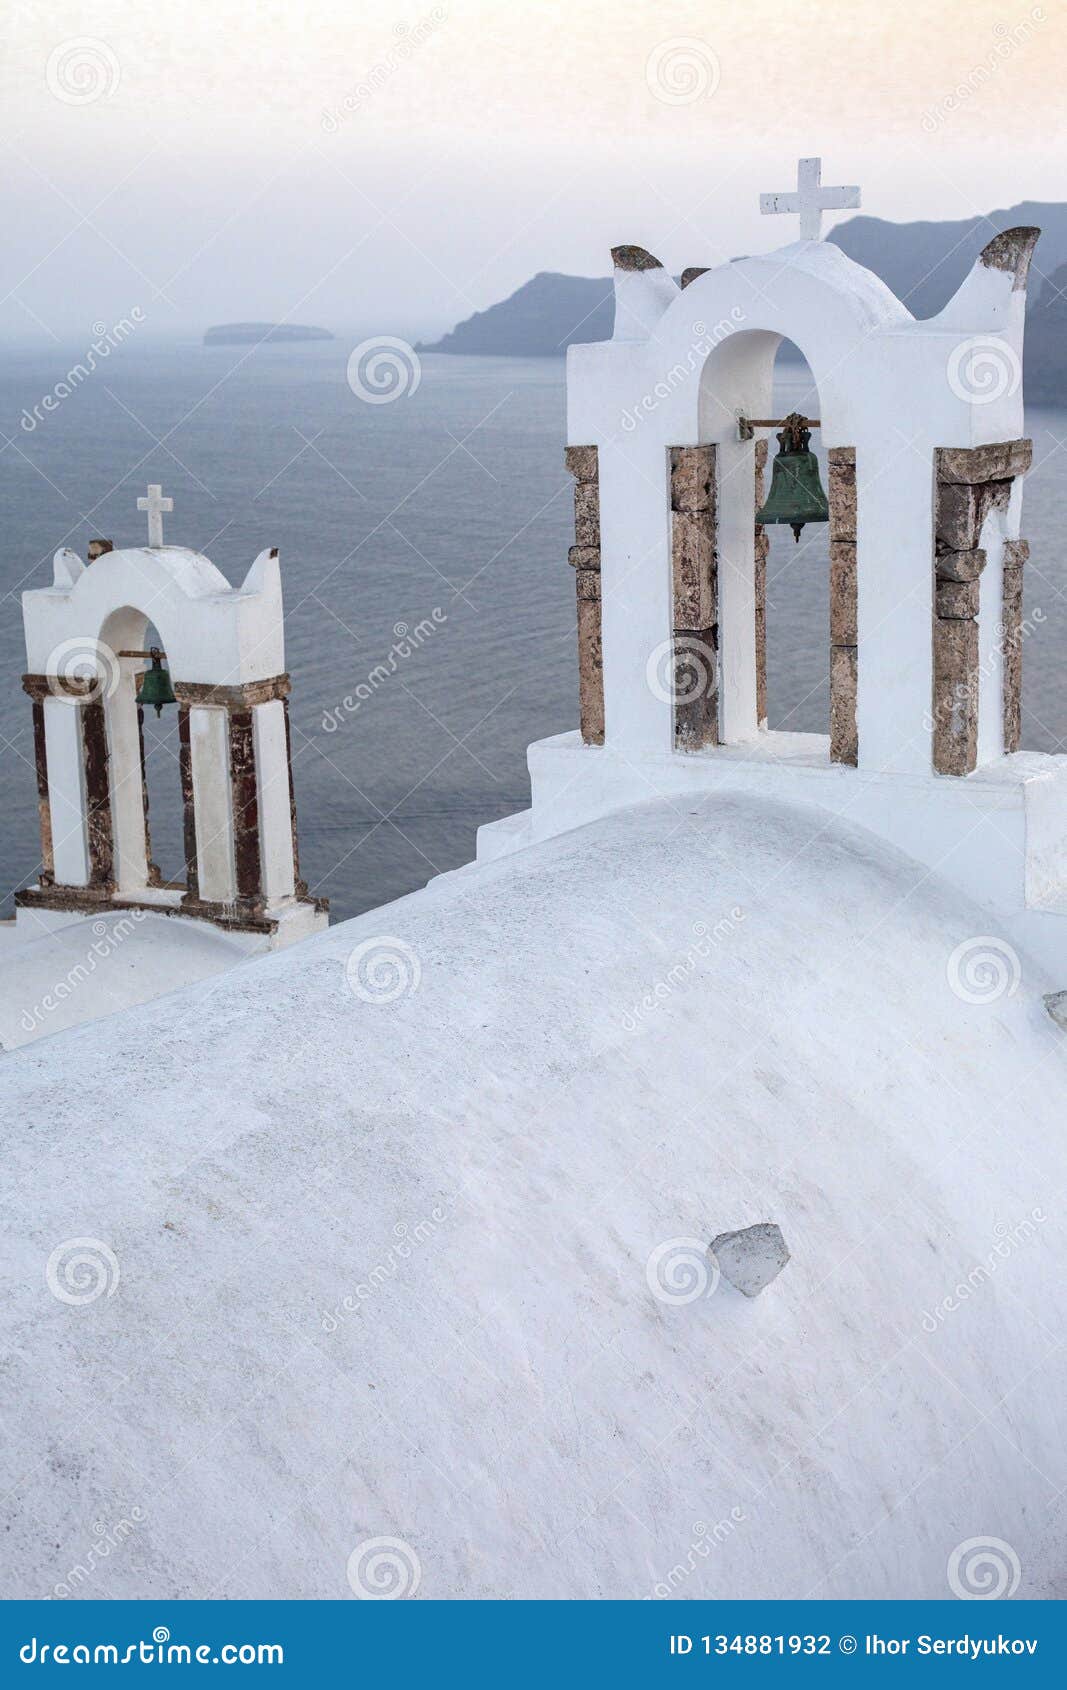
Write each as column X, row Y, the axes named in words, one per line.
column 810, row 200
column 155, row 505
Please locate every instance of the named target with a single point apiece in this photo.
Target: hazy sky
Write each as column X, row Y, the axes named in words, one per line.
column 391, row 167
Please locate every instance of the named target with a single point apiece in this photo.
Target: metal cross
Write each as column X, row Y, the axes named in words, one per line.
column 155, row 505
column 810, row 200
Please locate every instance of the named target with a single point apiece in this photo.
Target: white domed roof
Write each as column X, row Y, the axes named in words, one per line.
column 393, row 1269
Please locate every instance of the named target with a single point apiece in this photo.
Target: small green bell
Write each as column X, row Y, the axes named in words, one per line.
column 155, row 684
column 796, row 494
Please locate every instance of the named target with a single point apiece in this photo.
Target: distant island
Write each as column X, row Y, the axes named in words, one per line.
column 247, row 334
column 923, row 263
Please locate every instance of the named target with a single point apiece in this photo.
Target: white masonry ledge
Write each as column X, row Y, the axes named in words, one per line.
column 999, row 835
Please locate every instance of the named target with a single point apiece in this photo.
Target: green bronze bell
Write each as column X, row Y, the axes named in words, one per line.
column 796, row 494
column 155, row 684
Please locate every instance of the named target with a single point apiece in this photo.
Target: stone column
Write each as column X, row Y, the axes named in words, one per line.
column 245, row 800
column 300, row 886
column 128, row 784
column 98, row 795
column 1016, row 553
column 185, row 766
column 970, row 483
column 240, row 827
column 44, row 807
column 695, row 626
column 762, row 547
column 62, row 787
column 584, row 556
column 844, row 633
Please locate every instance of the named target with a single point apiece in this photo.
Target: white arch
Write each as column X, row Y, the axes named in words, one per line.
column 214, row 634
column 688, row 361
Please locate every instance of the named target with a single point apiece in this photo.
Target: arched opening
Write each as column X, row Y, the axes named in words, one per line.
column 143, row 760
column 162, row 772
column 797, row 578
column 786, row 628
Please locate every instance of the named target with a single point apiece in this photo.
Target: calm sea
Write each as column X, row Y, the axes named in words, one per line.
column 452, row 499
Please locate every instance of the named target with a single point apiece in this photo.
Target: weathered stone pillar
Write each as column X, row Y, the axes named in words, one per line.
column 128, row 782
column 584, row 556
column 844, row 634
column 185, row 767
column 970, row 482
column 693, row 562
column 74, row 842
column 300, row 886
column 152, row 869
column 98, row 796
column 240, row 814
column 245, row 799
column 44, row 807
column 762, row 547
column 1016, row 553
